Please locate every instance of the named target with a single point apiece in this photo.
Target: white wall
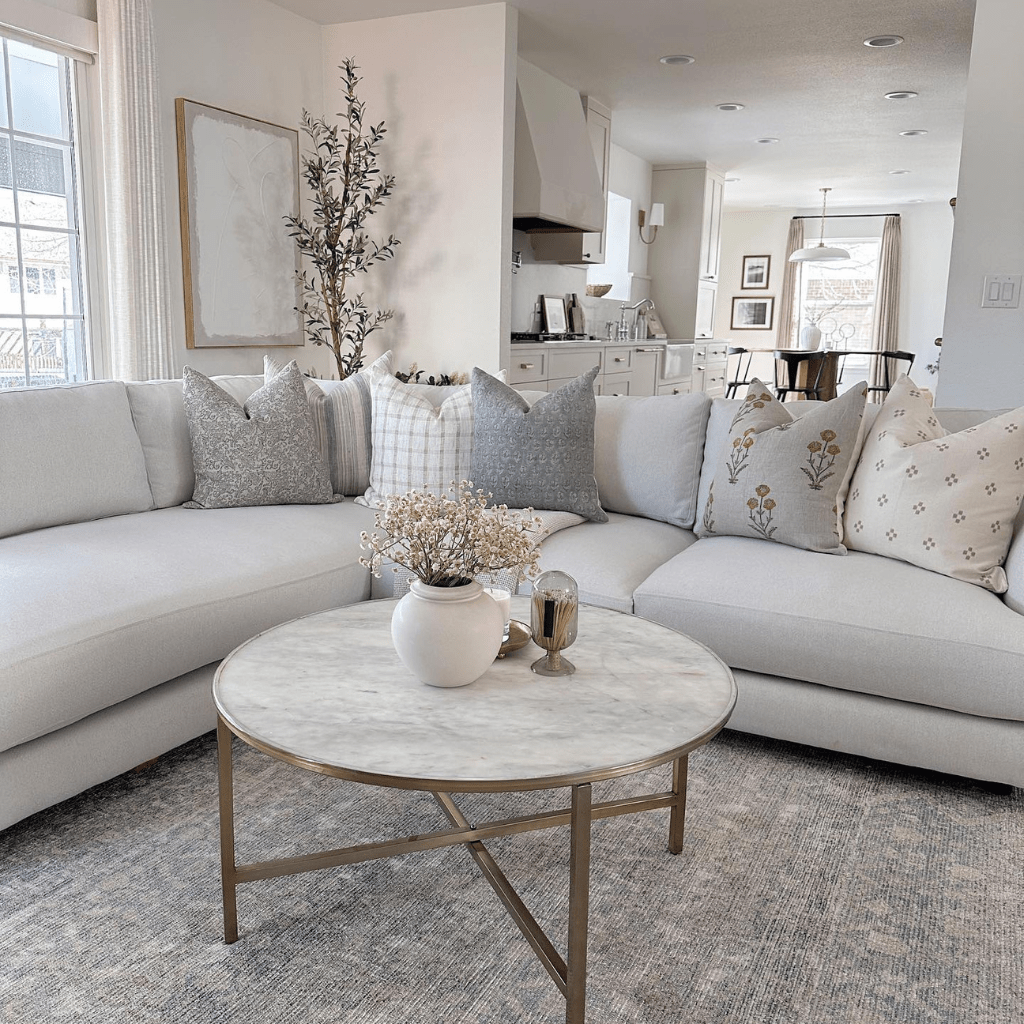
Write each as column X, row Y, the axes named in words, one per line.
column 250, row 57
column 982, row 364
column 445, row 84
column 628, row 176
column 927, row 230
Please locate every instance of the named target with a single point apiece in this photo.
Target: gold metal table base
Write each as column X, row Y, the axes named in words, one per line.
column 569, row 974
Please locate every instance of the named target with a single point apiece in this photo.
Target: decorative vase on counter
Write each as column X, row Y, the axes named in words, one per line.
column 810, row 337
column 447, row 636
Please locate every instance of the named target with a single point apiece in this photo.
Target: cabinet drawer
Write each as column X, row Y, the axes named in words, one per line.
column 527, row 367
column 617, row 360
column 571, row 364
column 680, row 387
column 616, row 385
column 554, row 385
column 717, row 351
column 714, row 385
column 700, row 351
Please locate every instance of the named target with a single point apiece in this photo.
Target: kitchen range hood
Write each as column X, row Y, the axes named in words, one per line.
column 557, row 186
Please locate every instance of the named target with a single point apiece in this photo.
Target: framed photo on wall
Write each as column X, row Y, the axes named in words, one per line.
column 755, row 271
column 752, row 314
column 237, row 179
column 554, row 314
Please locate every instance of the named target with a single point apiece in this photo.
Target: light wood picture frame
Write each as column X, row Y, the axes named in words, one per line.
column 756, row 270
column 752, row 314
column 238, row 178
column 555, row 321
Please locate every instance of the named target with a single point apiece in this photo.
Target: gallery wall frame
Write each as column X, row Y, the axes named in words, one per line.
column 755, row 272
column 752, row 314
column 238, row 178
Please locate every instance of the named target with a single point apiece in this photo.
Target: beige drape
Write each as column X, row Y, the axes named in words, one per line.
column 135, row 194
column 788, row 320
column 885, row 336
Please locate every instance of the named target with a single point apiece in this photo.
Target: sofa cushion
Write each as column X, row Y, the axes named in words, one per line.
column 640, row 478
column 94, row 613
column 261, row 453
column 540, row 455
column 861, row 623
column 159, row 415
column 946, row 502
column 610, row 560
column 782, row 478
column 68, row 454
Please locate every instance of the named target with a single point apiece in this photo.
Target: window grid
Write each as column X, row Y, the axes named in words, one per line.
column 42, row 319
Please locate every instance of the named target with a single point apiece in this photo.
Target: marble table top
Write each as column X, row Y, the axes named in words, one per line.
column 328, row 692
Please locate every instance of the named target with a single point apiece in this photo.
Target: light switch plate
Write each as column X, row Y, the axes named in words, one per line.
column 1002, row 291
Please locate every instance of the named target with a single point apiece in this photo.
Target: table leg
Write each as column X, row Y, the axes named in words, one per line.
column 227, row 832
column 677, row 816
column 579, row 906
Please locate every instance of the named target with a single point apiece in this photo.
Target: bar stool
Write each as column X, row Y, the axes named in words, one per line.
column 891, row 360
column 742, row 378
column 787, row 373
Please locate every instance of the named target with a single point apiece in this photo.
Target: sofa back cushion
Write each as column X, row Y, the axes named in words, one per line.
column 158, row 410
column 69, row 454
column 648, row 453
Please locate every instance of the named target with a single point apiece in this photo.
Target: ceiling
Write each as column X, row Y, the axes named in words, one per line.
column 799, row 67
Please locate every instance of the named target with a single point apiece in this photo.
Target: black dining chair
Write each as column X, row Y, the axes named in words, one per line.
column 891, row 360
column 742, row 378
column 788, row 364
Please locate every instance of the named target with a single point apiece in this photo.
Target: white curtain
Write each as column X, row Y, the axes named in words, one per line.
column 789, row 313
column 133, row 165
column 885, row 336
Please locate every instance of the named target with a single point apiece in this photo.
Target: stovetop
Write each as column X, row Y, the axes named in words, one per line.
column 525, row 337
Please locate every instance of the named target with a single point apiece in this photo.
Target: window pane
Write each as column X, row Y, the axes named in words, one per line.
column 44, row 181
column 12, row 354
column 47, row 250
column 6, row 189
column 51, row 344
column 36, row 93
column 10, row 289
column 3, row 99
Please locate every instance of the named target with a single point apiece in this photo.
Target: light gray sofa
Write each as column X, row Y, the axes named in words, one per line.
column 117, row 604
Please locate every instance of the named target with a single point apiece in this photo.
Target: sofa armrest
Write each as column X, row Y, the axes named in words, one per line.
column 1014, row 567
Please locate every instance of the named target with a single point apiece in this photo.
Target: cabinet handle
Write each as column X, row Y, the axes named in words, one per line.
column 647, row 350
column 619, row 359
column 586, row 255
column 526, row 366
column 700, row 367
column 676, row 391
column 617, row 394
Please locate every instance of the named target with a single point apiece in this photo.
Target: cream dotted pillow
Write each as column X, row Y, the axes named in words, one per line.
column 945, row 502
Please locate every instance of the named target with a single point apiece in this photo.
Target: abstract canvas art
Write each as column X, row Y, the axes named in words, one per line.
column 238, row 179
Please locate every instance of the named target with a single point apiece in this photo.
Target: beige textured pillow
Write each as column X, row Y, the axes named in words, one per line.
column 945, row 502
column 782, row 478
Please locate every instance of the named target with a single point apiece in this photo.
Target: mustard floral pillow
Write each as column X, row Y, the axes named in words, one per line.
column 783, row 478
column 945, row 502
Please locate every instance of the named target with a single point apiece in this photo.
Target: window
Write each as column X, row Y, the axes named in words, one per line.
column 615, row 269
column 42, row 321
column 839, row 299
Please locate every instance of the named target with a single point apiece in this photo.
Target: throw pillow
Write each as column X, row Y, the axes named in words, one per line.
column 261, row 453
column 416, row 446
column 341, row 412
column 783, row 478
column 539, row 456
column 945, row 502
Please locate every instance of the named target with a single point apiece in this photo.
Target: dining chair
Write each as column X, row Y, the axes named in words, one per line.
column 890, row 360
column 742, row 378
column 788, row 363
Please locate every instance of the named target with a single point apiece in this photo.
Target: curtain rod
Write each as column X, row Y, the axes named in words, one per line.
column 836, row 216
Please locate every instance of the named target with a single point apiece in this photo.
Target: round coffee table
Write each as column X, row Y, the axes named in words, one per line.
column 327, row 693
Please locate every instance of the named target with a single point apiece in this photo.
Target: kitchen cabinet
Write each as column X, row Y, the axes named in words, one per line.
column 683, row 261
column 577, row 247
column 710, row 362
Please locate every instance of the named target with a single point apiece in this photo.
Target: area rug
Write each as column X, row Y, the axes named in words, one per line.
column 812, row 889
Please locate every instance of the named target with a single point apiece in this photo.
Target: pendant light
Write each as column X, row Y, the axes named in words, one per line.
column 820, row 253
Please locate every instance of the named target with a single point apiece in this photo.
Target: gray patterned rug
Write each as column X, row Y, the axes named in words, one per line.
column 812, row 889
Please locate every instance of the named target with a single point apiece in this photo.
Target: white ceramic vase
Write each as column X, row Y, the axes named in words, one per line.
column 447, row 636
column 810, row 337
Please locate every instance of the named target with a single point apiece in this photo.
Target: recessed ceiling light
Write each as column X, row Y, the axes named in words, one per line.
column 677, row 58
column 915, row 200
column 730, row 106
column 876, row 41
column 913, row 133
column 901, row 94
column 900, row 171
column 767, row 141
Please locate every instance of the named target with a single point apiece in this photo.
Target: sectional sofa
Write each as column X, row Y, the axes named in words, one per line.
column 117, row 602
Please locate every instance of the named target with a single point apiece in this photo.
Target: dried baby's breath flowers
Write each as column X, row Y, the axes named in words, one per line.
column 448, row 541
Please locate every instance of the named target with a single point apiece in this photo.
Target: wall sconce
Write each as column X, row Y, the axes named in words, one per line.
column 657, row 221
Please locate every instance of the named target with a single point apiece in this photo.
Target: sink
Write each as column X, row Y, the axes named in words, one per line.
column 678, row 361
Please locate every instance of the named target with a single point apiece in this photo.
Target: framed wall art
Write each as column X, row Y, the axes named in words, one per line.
column 554, row 314
column 238, row 178
column 752, row 314
column 755, row 271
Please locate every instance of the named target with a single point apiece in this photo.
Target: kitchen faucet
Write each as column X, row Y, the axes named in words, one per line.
column 623, row 332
